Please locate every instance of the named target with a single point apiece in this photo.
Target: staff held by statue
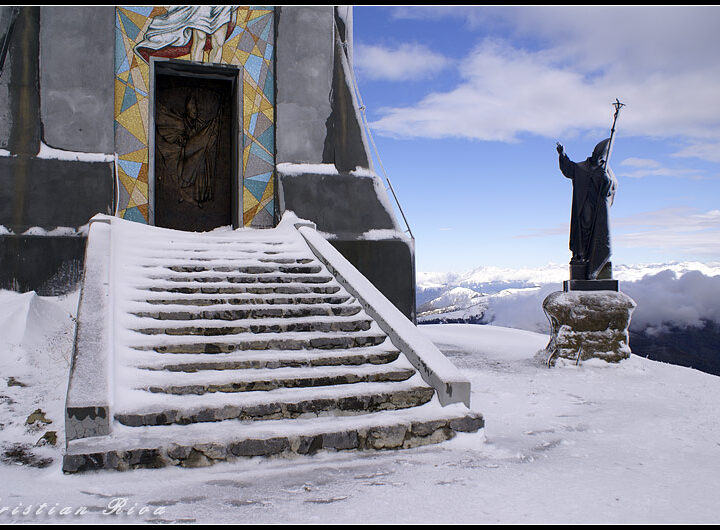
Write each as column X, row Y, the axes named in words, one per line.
column 617, row 106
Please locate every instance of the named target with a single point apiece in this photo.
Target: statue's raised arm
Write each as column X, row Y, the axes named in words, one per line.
column 567, row 166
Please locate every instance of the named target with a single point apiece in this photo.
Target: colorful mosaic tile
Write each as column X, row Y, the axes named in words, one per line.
column 249, row 44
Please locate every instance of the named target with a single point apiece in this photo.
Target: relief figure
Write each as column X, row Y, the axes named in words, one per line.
column 189, row 149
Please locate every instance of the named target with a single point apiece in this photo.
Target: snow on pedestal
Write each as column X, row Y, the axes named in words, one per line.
column 588, row 324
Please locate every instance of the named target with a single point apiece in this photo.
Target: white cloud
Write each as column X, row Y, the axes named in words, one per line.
column 667, row 298
column 709, row 151
column 645, row 167
column 659, row 61
column 681, row 218
column 637, row 38
column 682, row 230
column 504, row 92
column 644, row 163
column 407, row 62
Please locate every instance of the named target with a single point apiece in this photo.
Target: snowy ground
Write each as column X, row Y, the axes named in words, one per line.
column 637, row 442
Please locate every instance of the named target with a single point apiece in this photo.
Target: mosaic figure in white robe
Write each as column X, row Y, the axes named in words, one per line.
column 190, row 24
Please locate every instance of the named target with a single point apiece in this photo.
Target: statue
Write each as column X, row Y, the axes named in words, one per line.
column 590, row 317
column 594, row 187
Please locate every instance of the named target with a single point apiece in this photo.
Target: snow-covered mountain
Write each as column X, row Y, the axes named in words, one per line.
column 494, row 279
column 458, row 304
column 677, row 318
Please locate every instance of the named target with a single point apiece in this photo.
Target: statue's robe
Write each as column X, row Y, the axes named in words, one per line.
column 593, row 191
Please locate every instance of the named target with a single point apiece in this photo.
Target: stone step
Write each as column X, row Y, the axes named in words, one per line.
column 263, row 360
column 239, row 268
column 224, row 288
column 203, row 243
column 211, row 277
column 268, row 299
column 251, row 341
column 195, row 445
column 227, row 259
column 250, row 381
column 239, row 344
column 219, row 257
column 211, row 328
column 252, row 312
column 283, row 403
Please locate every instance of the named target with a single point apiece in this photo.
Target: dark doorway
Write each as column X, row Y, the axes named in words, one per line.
column 195, row 175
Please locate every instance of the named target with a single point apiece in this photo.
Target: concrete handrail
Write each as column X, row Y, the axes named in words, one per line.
column 435, row 369
column 87, row 406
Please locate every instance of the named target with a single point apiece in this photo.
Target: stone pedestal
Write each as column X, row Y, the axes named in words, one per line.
column 590, row 285
column 579, row 280
column 587, row 325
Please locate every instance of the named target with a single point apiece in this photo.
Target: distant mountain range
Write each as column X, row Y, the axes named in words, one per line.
column 677, row 319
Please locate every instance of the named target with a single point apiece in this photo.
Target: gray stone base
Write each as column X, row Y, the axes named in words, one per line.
column 587, row 325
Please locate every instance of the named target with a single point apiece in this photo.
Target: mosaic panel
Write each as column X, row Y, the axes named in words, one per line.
column 242, row 36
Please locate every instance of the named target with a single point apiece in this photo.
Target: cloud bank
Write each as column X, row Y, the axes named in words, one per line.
column 659, row 60
column 664, row 300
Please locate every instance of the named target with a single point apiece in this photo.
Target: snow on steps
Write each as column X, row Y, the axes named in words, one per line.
column 231, row 344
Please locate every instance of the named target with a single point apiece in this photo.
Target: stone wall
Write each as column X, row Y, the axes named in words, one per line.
column 42, row 184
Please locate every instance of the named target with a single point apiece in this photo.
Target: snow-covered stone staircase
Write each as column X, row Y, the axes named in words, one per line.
column 242, row 343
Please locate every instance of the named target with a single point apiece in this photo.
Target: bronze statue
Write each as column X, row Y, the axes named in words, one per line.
column 594, row 187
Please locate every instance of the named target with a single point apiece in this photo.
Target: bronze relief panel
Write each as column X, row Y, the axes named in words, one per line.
column 194, row 157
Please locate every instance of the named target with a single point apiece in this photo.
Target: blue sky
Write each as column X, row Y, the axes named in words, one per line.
column 466, row 103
